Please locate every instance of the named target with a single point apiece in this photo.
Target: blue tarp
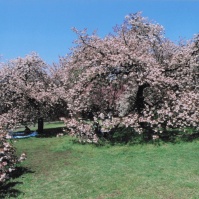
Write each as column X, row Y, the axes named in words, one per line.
column 19, row 135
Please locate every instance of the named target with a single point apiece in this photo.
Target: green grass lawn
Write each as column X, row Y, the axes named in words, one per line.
column 58, row 168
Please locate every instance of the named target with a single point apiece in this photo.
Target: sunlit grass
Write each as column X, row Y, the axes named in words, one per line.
column 60, row 168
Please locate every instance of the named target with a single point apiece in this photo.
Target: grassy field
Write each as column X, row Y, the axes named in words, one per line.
column 59, row 168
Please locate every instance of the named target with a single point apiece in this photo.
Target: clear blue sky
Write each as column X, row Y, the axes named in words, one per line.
column 44, row 26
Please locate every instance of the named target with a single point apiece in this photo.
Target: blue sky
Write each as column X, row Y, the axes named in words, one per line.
column 44, row 26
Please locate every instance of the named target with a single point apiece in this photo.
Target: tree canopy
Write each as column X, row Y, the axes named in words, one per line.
column 134, row 77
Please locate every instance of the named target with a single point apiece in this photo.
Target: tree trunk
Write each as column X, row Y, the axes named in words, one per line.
column 40, row 125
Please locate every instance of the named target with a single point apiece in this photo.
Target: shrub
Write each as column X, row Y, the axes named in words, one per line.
column 8, row 158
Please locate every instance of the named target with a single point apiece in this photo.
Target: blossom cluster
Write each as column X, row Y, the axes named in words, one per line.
column 8, row 158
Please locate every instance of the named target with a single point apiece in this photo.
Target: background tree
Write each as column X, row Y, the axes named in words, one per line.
column 25, row 90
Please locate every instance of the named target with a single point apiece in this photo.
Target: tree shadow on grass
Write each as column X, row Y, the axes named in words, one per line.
column 191, row 137
column 47, row 133
column 176, row 136
column 7, row 190
column 129, row 136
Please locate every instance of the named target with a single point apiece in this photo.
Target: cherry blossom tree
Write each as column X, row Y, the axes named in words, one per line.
column 24, row 90
column 133, row 77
